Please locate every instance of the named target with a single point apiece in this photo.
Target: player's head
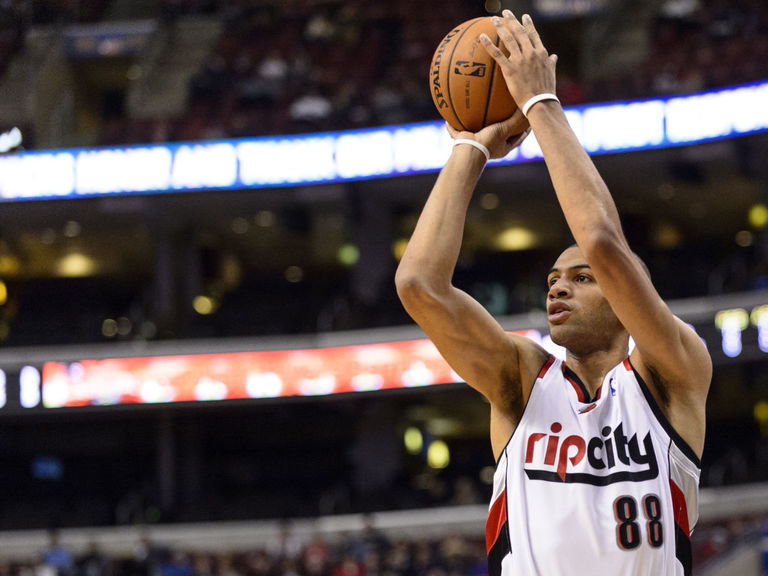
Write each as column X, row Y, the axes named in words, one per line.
column 578, row 313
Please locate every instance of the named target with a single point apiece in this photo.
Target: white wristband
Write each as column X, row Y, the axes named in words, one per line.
column 476, row 144
column 538, row 98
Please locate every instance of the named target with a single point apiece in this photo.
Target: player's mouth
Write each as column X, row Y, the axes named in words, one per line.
column 557, row 312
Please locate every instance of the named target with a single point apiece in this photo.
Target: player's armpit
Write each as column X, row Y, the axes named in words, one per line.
column 680, row 389
column 682, row 372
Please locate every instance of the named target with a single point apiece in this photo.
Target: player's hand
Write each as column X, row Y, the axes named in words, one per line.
column 529, row 69
column 500, row 138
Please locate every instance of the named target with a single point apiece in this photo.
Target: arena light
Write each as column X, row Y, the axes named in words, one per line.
column 731, row 324
column 438, row 455
column 383, row 152
column 204, row 305
column 761, row 416
column 76, row 265
column 10, row 140
column 29, row 387
column 759, row 318
column 348, row 254
column 413, row 440
column 515, row 238
column 398, row 248
column 758, row 216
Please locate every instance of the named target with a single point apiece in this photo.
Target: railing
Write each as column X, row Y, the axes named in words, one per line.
column 715, row 504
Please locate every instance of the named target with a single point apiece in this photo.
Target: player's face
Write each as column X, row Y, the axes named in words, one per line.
column 578, row 313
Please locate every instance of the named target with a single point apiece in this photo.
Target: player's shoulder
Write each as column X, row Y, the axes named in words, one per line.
column 531, row 357
column 526, row 346
column 687, row 370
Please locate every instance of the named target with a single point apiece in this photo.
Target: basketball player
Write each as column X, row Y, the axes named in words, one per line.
column 597, row 455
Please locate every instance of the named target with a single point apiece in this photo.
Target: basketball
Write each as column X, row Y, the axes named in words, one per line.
column 466, row 84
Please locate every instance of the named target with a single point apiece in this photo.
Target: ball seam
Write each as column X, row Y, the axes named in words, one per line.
column 450, row 64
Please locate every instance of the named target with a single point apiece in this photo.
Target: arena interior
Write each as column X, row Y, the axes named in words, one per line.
column 205, row 367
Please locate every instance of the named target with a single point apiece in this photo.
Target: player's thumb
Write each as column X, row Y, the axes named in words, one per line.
column 514, row 124
column 553, row 57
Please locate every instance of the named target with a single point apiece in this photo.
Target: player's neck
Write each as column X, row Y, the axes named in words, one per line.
column 592, row 367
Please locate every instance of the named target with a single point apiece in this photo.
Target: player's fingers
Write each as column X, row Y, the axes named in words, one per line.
column 515, row 142
column 506, row 36
column 533, row 34
column 517, row 30
column 514, row 124
column 495, row 52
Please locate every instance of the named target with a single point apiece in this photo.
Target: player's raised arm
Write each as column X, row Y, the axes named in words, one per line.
column 469, row 338
column 667, row 351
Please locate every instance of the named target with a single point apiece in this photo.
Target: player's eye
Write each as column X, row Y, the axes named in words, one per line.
column 551, row 281
column 582, row 278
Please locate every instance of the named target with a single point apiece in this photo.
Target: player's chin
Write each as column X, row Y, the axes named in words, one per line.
column 560, row 334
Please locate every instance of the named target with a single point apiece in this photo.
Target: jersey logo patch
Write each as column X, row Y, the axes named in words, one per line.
column 624, row 458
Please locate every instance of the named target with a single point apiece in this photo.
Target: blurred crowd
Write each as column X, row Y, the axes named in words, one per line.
column 695, row 45
column 367, row 553
column 308, row 65
column 304, row 66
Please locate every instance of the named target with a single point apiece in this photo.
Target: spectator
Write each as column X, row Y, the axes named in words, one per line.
column 57, row 558
column 94, row 563
column 311, row 110
column 348, row 567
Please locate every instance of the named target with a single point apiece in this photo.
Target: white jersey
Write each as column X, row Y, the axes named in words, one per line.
column 601, row 486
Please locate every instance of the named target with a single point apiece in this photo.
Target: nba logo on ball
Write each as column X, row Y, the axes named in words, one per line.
column 467, row 85
column 464, row 68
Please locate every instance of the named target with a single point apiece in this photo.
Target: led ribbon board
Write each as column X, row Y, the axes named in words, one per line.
column 364, row 154
column 730, row 334
column 241, row 375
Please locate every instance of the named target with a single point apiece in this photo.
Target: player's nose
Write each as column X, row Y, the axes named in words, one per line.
column 559, row 289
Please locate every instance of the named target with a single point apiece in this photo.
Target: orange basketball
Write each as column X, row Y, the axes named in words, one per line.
column 466, row 84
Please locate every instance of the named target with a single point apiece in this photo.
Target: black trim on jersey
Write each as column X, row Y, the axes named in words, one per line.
column 499, row 551
column 683, row 550
column 659, row 414
column 573, row 377
column 584, row 478
column 551, row 358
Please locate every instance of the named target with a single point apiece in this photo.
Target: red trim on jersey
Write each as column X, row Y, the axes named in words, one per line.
column 546, row 366
column 577, row 386
column 627, row 364
column 588, row 409
column 497, row 518
column 679, row 507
